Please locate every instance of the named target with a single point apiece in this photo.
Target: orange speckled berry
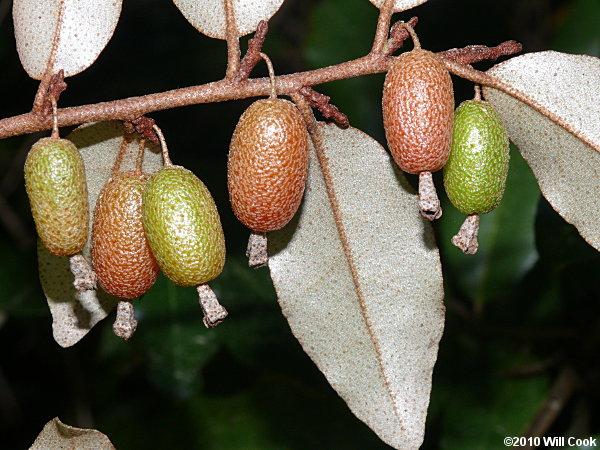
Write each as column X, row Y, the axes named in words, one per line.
column 418, row 107
column 268, row 164
column 122, row 258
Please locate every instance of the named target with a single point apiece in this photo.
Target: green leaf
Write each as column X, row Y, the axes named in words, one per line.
column 476, row 403
column 353, row 23
column 580, row 32
column 506, row 239
column 174, row 341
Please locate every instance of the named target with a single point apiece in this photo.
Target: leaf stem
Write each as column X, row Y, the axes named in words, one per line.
column 233, row 41
column 383, row 27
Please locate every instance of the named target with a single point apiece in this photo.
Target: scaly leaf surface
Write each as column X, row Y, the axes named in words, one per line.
column 358, row 277
column 62, row 34
column 562, row 146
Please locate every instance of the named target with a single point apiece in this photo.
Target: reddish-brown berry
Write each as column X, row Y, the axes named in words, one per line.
column 122, row 258
column 418, row 107
column 268, row 164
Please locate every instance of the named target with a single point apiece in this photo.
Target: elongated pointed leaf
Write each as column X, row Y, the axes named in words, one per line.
column 57, row 435
column 400, row 5
column 73, row 313
column 563, row 153
column 62, row 34
column 208, row 16
column 365, row 303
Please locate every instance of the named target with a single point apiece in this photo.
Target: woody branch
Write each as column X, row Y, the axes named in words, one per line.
column 237, row 86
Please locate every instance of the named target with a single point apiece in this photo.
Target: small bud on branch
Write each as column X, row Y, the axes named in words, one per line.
column 321, row 102
column 56, row 86
column 398, row 34
column 475, row 53
column 144, row 126
column 252, row 56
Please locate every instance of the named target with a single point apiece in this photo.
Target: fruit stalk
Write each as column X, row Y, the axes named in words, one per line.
column 466, row 238
column 257, row 249
column 429, row 203
column 214, row 312
column 85, row 278
column 125, row 323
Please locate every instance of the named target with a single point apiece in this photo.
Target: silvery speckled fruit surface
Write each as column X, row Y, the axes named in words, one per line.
column 267, row 165
column 475, row 174
column 55, row 183
column 183, row 227
column 121, row 254
column 418, row 105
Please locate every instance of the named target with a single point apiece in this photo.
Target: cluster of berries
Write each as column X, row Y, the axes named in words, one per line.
column 424, row 134
column 167, row 221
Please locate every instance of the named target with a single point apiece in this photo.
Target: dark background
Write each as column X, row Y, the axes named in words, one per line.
column 523, row 314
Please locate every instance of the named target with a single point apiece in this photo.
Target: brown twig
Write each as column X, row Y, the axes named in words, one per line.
column 562, row 390
column 321, row 102
column 218, row 91
column 233, row 41
column 252, row 56
column 398, row 34
column 475, row 53
column 224, row 90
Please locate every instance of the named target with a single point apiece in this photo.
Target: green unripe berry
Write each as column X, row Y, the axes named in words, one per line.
column 57, row 190
column 183, row 227
column 475, row 174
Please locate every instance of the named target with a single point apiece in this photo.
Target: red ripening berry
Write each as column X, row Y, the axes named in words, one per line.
column 268, row 164
column 418, row 110
column 123, row 260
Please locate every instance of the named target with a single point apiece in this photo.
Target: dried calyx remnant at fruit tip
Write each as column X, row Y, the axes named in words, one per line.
column 184, row 230
column 123, row 260
column 418, row 107
column 267, row 169
column 475, row 174
column 57, row 191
